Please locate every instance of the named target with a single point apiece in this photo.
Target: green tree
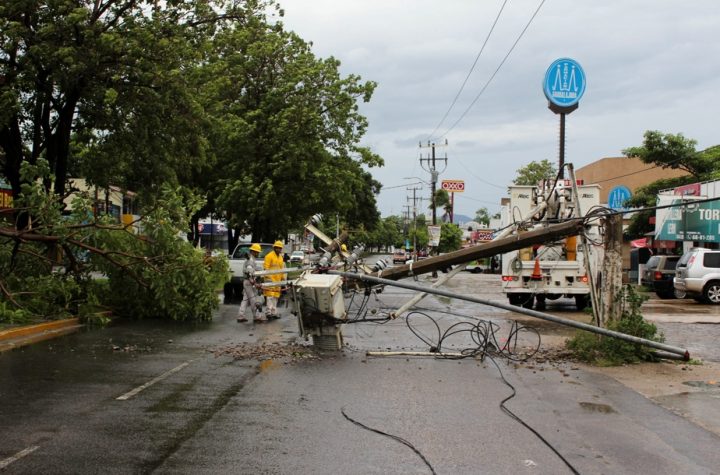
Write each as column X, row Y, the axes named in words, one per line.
column 668, row 151
column 646, row 197
column 419, row 232
column 450, row 238
column 153, row 274
column 99, row 88
column 534, row 172
column 288, row 132
column 676, row 152
column 482, row 216
column 442, row 200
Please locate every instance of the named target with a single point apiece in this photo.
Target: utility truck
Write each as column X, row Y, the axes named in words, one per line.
column 556, row 269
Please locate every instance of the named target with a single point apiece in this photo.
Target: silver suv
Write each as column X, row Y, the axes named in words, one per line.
column 698, row 275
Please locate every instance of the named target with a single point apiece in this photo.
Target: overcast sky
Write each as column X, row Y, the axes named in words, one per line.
column 650, row 65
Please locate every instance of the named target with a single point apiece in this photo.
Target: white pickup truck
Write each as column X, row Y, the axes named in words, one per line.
column 233, row 289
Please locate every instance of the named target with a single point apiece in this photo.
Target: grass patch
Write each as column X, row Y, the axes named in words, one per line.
column 603, row 350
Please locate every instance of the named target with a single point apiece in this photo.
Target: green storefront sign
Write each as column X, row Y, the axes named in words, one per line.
column 690, row 222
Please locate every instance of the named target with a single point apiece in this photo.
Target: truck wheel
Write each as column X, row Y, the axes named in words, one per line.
column 712, row 292
column 540, row 302
column 666, row 295
column 528, row 301
column 227, row 293
column 581, row 302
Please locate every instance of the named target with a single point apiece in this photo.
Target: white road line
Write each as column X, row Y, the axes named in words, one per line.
column 132, row 393
column 18, row 456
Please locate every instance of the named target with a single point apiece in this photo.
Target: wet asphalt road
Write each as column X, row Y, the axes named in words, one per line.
column 186, row 410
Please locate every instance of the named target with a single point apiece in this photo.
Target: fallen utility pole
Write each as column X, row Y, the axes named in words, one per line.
column 444, row 278
column 533, row 313
column 498, row 246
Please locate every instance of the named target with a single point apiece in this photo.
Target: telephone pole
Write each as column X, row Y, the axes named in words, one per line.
column 414, row 211
column 434, row 173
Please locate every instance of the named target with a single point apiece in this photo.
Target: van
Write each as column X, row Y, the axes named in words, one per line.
column 659, row 274
column 698, row 275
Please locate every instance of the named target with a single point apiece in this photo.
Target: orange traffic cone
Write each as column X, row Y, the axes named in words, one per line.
column 536, row 275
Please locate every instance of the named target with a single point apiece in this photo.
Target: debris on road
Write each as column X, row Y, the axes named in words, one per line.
column 267, row 351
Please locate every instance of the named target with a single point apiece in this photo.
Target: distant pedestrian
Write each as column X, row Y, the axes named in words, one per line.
column 273, row 261
column 250, row 288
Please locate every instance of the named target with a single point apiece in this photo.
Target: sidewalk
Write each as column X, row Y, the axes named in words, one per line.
column 25, row 335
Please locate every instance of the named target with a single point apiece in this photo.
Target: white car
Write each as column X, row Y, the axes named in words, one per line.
column 297, row 257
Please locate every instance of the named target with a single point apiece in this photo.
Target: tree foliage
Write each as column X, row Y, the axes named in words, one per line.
column 79, row 263
column 289, row 128
column 450, row 238
column 482, row 216
column 668, row 151
column 442, row 200
column 676, row 152
column 216, row 96
column 532, row 173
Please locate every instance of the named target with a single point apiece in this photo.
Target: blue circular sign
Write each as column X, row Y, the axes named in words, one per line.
column 564, row 82
column 618, row 196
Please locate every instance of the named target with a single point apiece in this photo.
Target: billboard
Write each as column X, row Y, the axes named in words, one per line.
column 692, row 222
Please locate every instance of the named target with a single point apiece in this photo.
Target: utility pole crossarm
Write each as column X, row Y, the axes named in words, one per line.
column 498, row 246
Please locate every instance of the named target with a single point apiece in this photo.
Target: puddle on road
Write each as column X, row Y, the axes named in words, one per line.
column 595, row 407
column 266, row 365
column 703, row 384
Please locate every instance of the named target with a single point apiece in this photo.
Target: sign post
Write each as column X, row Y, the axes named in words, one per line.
column 452, row 187
column 563, row 86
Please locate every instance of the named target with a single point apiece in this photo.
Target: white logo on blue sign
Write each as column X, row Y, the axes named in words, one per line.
column 618, row 196
column 564, row 83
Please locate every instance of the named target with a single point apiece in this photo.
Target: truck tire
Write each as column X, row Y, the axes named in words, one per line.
column 581, row 302
column 227, row 293
column 516, row 299
column 711, row 292
column 232, row 293
column 528, row 301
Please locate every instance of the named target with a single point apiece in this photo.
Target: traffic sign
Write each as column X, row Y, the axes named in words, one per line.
column 453, row 186
column 564, row 82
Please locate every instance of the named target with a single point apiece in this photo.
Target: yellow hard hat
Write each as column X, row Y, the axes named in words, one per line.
column 343, row 248
column 278, row 244
column 256, row 247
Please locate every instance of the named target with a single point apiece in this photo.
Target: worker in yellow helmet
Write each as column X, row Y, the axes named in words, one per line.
column 249, row 287
column 273, row 261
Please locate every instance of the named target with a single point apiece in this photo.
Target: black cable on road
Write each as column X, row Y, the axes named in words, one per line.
column 394, row 437
column 525, row 424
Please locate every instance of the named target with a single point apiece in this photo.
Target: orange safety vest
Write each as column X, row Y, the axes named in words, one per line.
column 273, row 261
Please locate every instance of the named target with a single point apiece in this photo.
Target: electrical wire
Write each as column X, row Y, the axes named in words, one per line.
column 517, row 418
column 462, row 116
column 472, row 68
column 482, row 334
column 394, row 437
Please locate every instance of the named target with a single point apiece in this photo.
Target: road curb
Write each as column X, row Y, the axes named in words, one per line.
column 26, row 335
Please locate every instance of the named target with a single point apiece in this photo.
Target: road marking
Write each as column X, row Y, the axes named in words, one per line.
column 132, row 393
column 18, row 456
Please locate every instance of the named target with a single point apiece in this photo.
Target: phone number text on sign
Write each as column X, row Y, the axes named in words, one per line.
column 453, row 186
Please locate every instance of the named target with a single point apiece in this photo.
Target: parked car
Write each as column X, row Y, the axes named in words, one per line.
column 297, row 257
column 698, row 275
column 400, row 257
column 659, row 274
column 422, row 254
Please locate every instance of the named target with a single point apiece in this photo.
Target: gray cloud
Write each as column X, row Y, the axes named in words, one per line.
column 650, row 64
